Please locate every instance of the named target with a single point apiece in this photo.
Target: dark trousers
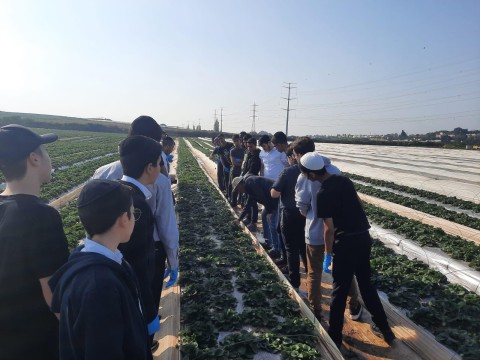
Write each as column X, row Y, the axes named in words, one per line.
column 351, row 255
column 220, row 177
column 234, row 198
column 292, row 225
column 226, row 183
column 160, row 258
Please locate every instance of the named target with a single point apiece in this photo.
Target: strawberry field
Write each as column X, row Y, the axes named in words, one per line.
column 233, row 305
column 447, row 310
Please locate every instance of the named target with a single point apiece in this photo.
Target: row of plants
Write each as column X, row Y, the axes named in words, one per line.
column 432, row 209
column 450, row 200
column 108, row 143
column 64, row 180
column 72, row 227
column 232, row 303
column 448, row 311
column 196, row 144
column 426, row 235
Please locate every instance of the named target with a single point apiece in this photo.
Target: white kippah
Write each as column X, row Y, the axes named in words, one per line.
column 312, row 161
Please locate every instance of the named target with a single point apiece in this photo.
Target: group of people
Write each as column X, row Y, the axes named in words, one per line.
column 102, row 300
column 311, row 213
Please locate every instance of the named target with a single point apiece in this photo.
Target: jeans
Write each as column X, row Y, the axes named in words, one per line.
column 270, row 228
column 351, row 256
column 292, row 225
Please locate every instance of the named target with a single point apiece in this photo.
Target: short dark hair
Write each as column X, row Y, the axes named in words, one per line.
column 168, row 141
column 99, row 214
column 264, row 139
column 236, row 137
column 279, row 138
column 146, row 126
column 136, row 152
column 319, row 172
column 289, row 151
column 252, row 140
column 303, row 145
column 246, row 137
column 16, row 169
column 242, row 134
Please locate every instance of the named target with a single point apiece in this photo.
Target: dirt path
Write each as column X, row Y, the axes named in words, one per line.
column 414, row 342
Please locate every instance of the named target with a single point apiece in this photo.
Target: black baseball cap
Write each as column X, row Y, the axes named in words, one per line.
column 17, row 141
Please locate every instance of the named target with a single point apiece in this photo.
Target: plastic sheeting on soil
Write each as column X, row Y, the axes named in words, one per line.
column 457, row 272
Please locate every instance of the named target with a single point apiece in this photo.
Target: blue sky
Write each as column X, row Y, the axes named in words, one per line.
column 359, row 67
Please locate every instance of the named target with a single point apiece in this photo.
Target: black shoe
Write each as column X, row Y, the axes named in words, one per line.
column 281, row 262
column 252, row 227
column 274, row 254
column 284, row 270
column 356, row 312
column 266, row 246
column 155, row 345
column 386, row 334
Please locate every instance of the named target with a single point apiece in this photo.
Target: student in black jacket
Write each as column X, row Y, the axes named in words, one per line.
column 140, row 157
column 96, row 292
column 252, row 161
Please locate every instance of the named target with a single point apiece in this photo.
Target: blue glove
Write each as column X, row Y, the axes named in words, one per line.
column 173, row 277
column 327, row 261
column 167, row 273
column 170, row 158
column 226, row 169
column 219, row 161
column 154, row 326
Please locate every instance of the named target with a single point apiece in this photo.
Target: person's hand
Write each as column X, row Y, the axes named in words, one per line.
column 170, row 158
column 226, row 169
column 327, row 261
column 173, row 273
column 269, row 217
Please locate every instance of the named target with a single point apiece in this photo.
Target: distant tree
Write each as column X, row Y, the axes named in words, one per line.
column 216, row 126
column 403, row 136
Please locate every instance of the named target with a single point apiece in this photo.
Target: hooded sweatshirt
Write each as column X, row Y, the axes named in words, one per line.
column 101, row 314
column 306, row 200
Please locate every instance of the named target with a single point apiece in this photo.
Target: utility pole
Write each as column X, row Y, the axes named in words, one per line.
column 289, row 87
column 221, row 119
column 253, row 117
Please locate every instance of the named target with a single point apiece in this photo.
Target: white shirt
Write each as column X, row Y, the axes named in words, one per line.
column 166, row 228
column 93, row 246
column 273, row 162
column 166, row 163
column 143, row 188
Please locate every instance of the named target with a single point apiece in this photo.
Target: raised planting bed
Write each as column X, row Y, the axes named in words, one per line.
column 199, row 146
column 426, row 235
column 451, row 200
column 233, row 305
column 448, row 311
column 432, row 209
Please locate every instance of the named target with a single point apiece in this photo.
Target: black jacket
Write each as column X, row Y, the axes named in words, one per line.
column 253, row 163
column 258, row 190
column 100, row 310
column 140, row 251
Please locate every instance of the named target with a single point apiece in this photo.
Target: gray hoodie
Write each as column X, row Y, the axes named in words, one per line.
column 306, row 199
